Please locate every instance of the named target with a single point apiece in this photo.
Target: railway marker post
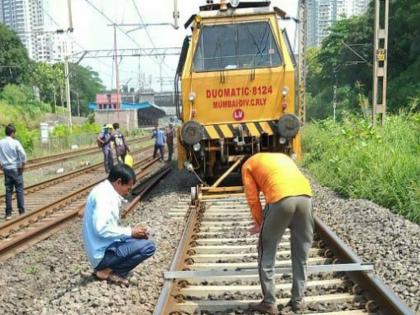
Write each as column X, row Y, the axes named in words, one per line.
column 380, row 61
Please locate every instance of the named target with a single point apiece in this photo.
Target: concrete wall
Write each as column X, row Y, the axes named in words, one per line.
column 126, row 118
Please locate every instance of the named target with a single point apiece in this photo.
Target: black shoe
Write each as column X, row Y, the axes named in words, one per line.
column 22, row 211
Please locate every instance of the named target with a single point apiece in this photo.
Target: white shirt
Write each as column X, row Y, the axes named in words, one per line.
column 12, row 154
column 100, row 221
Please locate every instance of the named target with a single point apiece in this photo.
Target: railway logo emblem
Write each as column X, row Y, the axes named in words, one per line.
column 238, row 114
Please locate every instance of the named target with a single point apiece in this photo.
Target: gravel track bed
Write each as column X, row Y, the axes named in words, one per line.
column 377, row 235
column 54, row 277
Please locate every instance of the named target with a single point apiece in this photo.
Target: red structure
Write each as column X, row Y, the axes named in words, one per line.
column 108, row 101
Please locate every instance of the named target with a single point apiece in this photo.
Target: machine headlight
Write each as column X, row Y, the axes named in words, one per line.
column 282, row 140
column 188, row 166
column 288, row 126
column 285, row 91
column 197, row 146
column 192, row 132
column 192, row 96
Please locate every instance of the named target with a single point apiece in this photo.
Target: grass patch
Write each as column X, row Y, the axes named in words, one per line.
column 359, row 161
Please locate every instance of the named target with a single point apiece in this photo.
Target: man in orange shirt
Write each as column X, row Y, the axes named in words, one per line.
column 288, row 204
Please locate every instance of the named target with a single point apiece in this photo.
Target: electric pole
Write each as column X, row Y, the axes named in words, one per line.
column 301, row 61
column 380, row 61
column 67, row 82
column 117, row 75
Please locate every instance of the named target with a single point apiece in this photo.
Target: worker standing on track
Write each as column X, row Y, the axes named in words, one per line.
column 113, row 250
column 160, row 140
column 170, row 134
column 12, row 161
column 288, row 204
column 121, row 147
column 104, row 141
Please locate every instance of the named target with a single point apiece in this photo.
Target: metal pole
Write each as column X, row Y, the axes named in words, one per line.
column 380, row 61
column 67, row 83
column 117, row 77
column 78, row 105
column 176, row 14
column 302, row 66
column 334, row 95
column 70, row 29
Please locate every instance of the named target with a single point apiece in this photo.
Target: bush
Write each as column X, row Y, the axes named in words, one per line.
column 357, row 160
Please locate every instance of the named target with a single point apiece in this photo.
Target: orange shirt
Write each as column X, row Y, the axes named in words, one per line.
column 276, row 176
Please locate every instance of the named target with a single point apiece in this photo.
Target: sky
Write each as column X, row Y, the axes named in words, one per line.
column 91, row 31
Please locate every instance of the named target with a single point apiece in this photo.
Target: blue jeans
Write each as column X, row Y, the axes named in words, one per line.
column 123, row 256
column 13, row 179
column 160, row 148
column 108, row 159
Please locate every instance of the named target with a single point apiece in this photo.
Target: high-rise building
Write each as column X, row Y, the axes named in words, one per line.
column 321, row 14
column 26, row 18
column 15, row 15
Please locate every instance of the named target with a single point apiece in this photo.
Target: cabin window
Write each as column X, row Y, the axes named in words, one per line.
column 236, row 46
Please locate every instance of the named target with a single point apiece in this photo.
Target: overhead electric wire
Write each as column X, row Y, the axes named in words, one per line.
column 148, row 34
column 68, row 35
column 117, row 26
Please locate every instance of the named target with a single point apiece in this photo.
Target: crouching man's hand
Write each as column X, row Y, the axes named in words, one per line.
column 140, row 233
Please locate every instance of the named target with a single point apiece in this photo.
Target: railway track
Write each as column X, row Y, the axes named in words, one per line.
column 61, row 157
column 52, row 213
column 214, row 270
column 62, row 184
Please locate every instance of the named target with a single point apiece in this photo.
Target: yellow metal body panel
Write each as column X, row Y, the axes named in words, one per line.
column 266, row 127
column 182, row 152
column 253, row 131
column 226, row 131
column 239, row 95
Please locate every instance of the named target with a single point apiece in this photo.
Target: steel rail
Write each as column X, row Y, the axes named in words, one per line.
column 192, row 264
column 165, row 298
column 61, row 157
column 59, row 179
column 17, row 243
column 389, row 302
column 144, row 187
column 14, row 224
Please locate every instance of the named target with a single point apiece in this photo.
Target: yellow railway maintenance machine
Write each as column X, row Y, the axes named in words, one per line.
column 237, row 77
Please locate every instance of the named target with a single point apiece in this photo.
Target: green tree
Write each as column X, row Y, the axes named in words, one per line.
column 14, row 61
column 50, row 80
column 84, row 84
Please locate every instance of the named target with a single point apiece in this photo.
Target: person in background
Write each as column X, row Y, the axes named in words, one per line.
column 121, row 147
column 12, row 161
column 160, row 140
column 113, row 250
column 104, row 141
column 170, row 134
column 288, row 205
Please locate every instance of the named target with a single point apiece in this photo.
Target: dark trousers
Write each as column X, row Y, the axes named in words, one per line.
column 121, row 158
column 108, row 159
column 13, row 179
column 296, row 213
column 160, row 148
column 122, row 257
column 170, row 151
